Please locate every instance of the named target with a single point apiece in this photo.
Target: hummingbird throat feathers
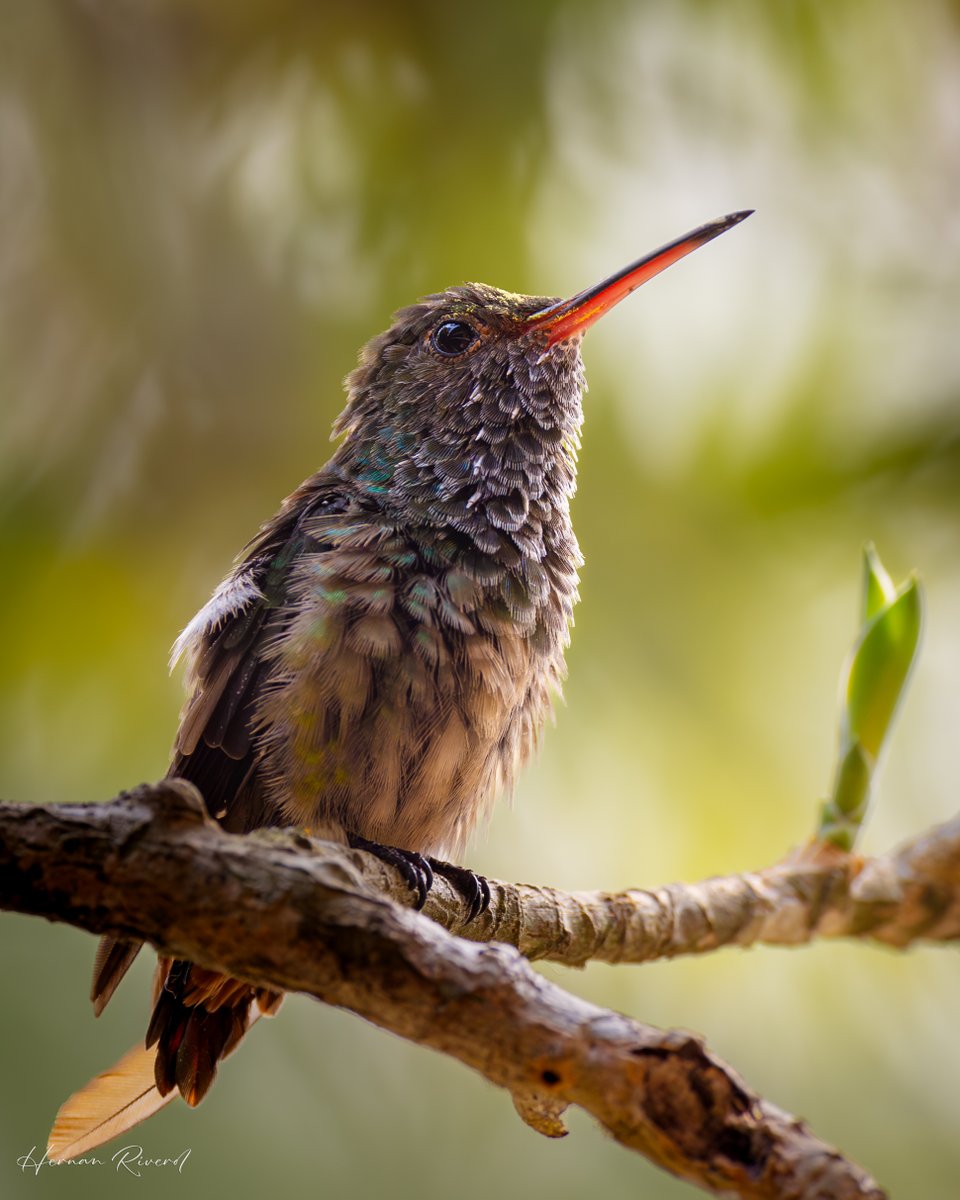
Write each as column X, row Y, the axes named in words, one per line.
column 472, row 440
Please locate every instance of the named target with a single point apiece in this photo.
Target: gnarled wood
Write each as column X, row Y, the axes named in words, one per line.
column 278, row 909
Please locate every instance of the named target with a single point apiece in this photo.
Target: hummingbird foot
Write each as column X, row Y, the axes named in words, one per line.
column 474, row 888
column 414, row 868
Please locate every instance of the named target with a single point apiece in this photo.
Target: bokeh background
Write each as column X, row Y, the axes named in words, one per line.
column 205, row 209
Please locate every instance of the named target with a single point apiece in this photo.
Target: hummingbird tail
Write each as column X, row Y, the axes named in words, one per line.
column 110, row 1104
column 199, row 1017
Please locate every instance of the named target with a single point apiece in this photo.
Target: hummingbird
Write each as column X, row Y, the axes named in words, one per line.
column 380, row 660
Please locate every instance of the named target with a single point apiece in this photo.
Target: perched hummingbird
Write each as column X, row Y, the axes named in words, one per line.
column 382, row 657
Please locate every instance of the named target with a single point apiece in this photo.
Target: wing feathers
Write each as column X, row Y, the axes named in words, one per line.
column 109, row 967
column 224, row 647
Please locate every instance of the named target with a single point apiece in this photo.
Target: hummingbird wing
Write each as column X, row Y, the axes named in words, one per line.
column 228, row 668
column 113, row 959
column 213, row 748
column 200, row 1016
column 226, row 675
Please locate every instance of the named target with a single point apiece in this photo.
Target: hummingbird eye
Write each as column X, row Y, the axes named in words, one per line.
column 453, row 338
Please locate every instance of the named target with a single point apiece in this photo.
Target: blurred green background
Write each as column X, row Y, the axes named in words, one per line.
column 206, row 209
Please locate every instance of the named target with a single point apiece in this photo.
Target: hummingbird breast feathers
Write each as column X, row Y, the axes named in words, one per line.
column 358, row 674
column 408, row 682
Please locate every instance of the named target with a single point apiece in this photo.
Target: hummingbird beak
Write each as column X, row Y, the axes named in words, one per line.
column 574, row 316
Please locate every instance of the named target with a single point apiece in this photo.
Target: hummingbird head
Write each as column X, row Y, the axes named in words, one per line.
column 466, row 411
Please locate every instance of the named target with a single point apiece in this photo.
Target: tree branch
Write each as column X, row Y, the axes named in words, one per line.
column 278, row 909
column 908, row 895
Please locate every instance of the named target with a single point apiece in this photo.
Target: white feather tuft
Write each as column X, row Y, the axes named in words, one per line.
column 231, row 597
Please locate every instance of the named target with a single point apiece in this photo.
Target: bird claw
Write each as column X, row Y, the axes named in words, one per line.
column 418, row 872
column 474, row 888
column 415, row 869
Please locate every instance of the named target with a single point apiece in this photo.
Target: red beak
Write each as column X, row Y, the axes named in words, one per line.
column 570, row 317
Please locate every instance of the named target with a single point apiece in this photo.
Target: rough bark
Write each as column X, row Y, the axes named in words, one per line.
column 276, row 908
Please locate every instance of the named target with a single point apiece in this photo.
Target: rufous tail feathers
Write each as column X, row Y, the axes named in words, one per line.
column 110, row 1104
column 117, row 1099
